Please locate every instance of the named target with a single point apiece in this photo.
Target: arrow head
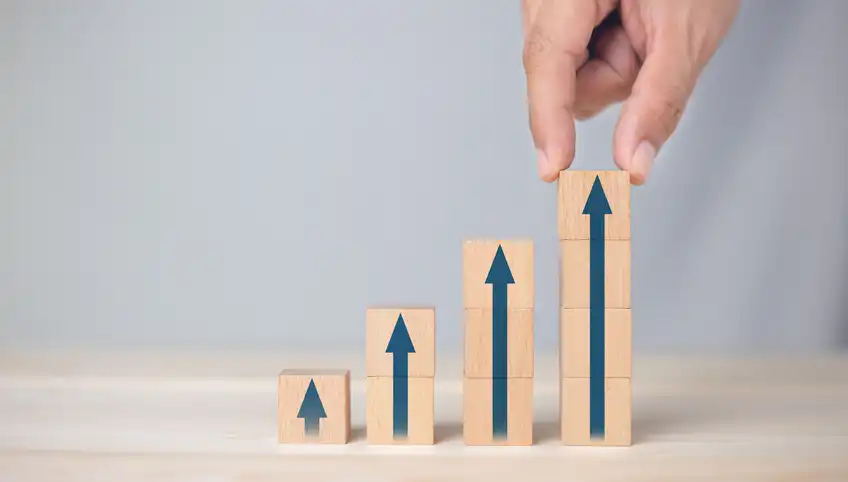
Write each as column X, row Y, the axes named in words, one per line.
column 400, row 342
column 311, row 408
column 597, row 202
column 499, row 272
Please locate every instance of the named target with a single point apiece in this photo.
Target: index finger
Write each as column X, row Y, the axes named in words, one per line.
column 557, row 34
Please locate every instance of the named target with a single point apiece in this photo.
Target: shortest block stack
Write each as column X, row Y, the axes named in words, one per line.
column 595, row 314
column 401, row 365
column 497, row 279
column 313, row 406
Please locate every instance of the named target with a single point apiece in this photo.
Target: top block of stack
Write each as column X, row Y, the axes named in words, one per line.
column 387, row 325
column 477, row 258
column 572, row 191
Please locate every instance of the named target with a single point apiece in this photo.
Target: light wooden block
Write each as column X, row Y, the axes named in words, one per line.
column 574, row 343
column 478, row 343
column 477, row 257
column 573, row 190
column 574, row 274
column 477, row 418
column 333, row 387
column 421, row 325
column 574, row 412
column 380, row 412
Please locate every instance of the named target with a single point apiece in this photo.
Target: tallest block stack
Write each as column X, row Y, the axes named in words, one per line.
column 595, row 319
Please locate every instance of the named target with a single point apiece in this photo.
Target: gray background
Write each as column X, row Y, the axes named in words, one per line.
column 254, row 174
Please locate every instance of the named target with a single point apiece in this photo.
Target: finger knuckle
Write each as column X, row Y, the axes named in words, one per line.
column 536, row 48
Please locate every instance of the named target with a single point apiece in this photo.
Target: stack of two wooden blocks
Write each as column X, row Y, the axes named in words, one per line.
column 595, row 314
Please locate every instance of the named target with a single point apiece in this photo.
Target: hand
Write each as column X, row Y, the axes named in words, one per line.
column 580, row 56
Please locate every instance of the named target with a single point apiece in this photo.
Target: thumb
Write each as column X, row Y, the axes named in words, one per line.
column 652, row 112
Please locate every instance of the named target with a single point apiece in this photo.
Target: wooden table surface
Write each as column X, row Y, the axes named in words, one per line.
column 184, row 416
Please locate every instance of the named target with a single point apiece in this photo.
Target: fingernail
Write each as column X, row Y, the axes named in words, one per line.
column 643, row 161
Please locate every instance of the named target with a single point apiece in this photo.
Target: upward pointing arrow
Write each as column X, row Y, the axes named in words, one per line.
column 499, row 277
column 597, row 207
column 400, row 345
column 311, row 410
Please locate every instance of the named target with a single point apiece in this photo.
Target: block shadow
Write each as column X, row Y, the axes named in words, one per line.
column 445, row 432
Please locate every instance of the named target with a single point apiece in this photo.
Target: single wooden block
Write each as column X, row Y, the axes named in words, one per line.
column 574, row 412
column 478, row 422
column 380, row 326
column 478, row 343
column 478, row 258
column 313, row 406
column 575, row 275
column 573, row 190
column 381, row 424
column 574, row 343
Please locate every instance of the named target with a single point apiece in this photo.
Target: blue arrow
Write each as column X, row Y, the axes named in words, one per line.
column 400, row 345
column 499, row 277
column 597, row 207
column 311, row 410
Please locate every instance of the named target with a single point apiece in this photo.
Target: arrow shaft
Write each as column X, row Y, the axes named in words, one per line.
column 311, row 426
column 400, row 395
column 499, row 331
column 499, row 360
column 597, row 306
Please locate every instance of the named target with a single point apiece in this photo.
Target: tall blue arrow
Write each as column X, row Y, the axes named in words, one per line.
column 597, row 207
column 400, row 345
column 499, row 277
column 311, row 410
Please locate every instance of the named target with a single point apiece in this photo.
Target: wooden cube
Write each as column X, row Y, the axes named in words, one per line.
column 382, row 427
column 574, row 343
column 573, row 189
column 478, row 343
column 420, row 324
column 313, row 406
column 477, row 262
column 575, row 276
column 575, row 412
column 478, row 423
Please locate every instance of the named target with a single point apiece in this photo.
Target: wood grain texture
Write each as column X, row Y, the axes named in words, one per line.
column 478, row 343
column 572, row 191
column 477, row 418
column 574, row 342
column 574, row 274
column 177, row 415
column 574, row 412
column 379, row 412
column 379, row 325
column 477, row 256
column 334, row 389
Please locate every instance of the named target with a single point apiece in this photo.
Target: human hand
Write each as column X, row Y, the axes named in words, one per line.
column 580, row 56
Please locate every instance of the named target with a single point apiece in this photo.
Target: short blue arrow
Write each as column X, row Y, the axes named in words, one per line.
column 400, row 345
column 597, row 207
column 311, row 410
column 499, row 277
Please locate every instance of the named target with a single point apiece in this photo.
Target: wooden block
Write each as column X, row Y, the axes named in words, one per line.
column 574, row 274
column 420, row 324
column 477, row 258
column 380, row 411
column 573, row 190
column 478, row 343
column 574, row 343
column 477, row 418
column 574, row 412
column 327, row 405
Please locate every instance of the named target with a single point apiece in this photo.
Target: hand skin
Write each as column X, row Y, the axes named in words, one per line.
column 581, row 56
